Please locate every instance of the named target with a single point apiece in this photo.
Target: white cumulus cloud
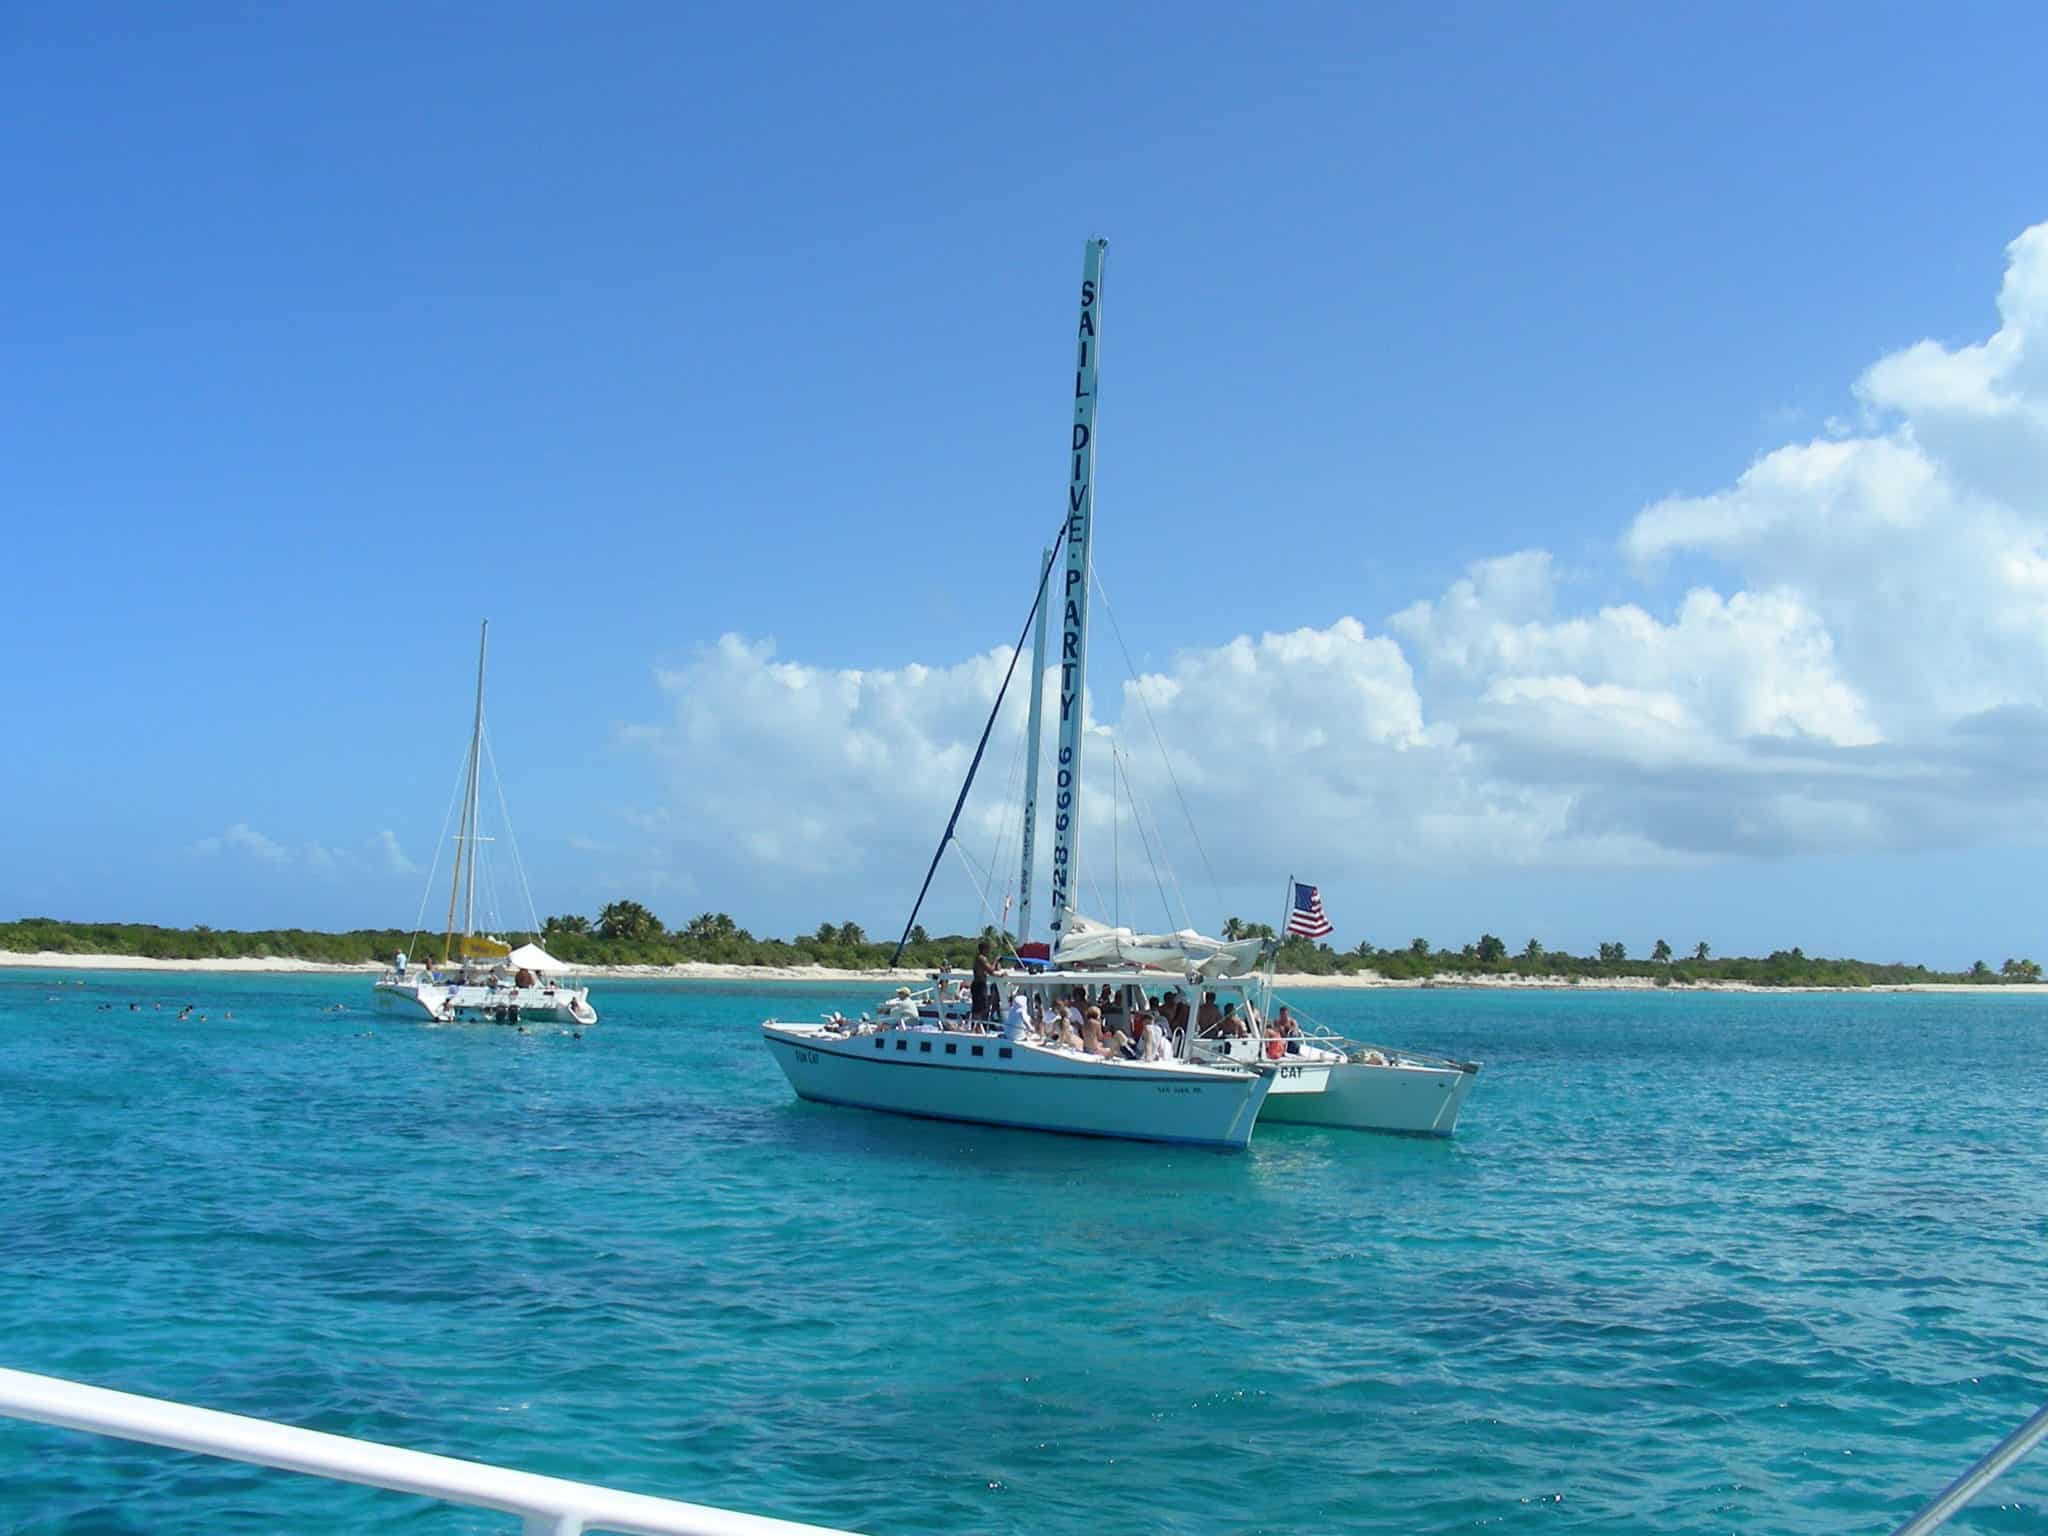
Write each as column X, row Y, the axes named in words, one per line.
column 1860, row 661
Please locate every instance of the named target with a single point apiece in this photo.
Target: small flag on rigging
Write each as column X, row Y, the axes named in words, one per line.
column 1305, row 915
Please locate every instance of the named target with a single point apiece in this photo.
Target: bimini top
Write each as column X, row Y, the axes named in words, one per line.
column 531, row 957
column 1089, row 943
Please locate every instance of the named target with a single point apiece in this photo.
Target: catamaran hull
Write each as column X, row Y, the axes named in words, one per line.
column 1404, row 1101
column 500, row 1005
column 985, row 1080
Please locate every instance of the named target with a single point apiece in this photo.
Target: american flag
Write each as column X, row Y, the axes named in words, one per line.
column 1305, row 917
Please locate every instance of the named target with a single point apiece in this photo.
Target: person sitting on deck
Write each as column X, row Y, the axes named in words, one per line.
column 1230, row 1026
column 1286, row 1029
column 1017, row 1021
column 1208, row 1016
column 1149, row 1035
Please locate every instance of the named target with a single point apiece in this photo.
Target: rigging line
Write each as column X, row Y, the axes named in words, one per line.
column 953, row 821
column 973, row 873
column 1116, row 842
column 419, row 922
column 1142, row 811
column 1132, row 667
column 511, row 837
column 1011, row 794
column 1137, row 816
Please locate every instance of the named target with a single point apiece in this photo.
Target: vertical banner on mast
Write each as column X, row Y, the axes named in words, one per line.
column 1072, row 593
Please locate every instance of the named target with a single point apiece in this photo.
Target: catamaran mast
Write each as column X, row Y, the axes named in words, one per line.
column 1031, row 756
column 466, row 829
column 1073, row 596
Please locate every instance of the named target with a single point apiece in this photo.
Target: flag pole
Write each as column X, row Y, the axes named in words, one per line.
column 1273, row 961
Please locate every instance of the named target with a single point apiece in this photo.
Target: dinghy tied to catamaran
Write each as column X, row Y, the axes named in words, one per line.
column 480, row 977
column 1106, row 1032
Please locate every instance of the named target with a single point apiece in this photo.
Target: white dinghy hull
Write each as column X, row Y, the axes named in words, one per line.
column 987, row 1080
column 1322, row 1084
column 1400, row 1099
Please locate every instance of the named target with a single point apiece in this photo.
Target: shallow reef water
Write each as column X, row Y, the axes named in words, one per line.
column 1693, row 1263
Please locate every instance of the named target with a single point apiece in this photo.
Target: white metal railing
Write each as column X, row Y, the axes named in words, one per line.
column 549, row 1506
column 1974, row 1481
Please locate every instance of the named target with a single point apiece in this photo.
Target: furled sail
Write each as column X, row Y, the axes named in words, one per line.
column 1085, row 942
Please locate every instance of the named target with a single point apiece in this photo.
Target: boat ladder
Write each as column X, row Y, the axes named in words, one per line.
column 548, row 1506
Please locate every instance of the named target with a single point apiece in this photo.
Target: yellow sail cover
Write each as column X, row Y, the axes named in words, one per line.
column 472, row 948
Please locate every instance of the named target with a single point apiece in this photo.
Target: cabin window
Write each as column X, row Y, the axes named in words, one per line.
column 902, row 1045
column 881, row 1044
column 925, row 1046
column 1003, row 1051
column 952, row 1049
column 975, row 1048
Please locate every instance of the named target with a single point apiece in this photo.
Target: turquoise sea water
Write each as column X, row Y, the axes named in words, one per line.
column 1692, row 1264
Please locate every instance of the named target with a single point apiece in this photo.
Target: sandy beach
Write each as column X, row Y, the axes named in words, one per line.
column 702, row 971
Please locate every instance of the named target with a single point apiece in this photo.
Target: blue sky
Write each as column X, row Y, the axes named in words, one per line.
column 333, row 331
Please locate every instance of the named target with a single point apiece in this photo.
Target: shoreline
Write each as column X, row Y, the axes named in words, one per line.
column 699, row 970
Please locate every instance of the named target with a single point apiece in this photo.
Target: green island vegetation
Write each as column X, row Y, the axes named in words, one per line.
column 628, row 933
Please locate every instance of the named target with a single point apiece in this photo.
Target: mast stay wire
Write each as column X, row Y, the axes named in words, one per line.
column 511, row 838
column 1117, row 840
column 1138, row 819
column 1162, row 860
column 977, row 882
column 953, row 821
column 1131, row 667
column 1012, row 796
column 419, row 922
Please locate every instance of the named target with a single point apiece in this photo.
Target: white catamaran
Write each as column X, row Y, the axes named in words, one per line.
column 946, row 1068
column 1197, row 1077
column 481, row 977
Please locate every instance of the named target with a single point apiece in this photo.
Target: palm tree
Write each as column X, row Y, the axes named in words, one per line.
column 1662, row 953
column 1532, row 952
column 628, row 920
column 1233, row 928
column 1702, row 952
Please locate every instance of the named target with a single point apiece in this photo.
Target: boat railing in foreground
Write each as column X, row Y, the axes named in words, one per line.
column 548, row 1506
column 1973, row 1482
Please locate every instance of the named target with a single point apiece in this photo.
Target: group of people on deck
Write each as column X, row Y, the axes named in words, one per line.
column 1076, row 1022
column 1112, row 1023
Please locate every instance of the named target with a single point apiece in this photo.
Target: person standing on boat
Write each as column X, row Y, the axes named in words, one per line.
column 984, row 969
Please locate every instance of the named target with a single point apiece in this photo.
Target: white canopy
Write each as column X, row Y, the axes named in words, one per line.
column 1087, row 942
column 531, row 957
